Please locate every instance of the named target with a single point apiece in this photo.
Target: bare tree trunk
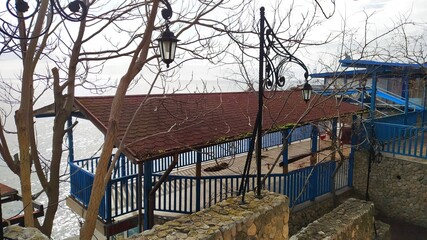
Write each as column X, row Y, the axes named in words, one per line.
column 24, row 115
column 101, row 177
column 63, row 108
column 22, row 120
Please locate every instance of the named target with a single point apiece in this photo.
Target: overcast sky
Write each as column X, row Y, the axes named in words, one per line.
column 385, row 14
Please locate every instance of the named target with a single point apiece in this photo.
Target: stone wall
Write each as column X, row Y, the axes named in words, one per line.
column 18, row 232
column 303, row 214
column 354, row 219
column 398, row 186
column 265, row 218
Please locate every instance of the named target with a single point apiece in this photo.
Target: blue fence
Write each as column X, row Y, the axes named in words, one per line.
column 401, row 139
column 188, row 194
column 399, row 134
column 410, row 118
column 230, row 148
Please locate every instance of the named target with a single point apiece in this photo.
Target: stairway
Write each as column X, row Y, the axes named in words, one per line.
column 387, row 103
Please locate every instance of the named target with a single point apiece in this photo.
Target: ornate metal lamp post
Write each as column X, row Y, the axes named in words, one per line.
column 271, row 79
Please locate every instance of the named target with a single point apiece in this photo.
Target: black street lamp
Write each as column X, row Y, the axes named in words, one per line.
column 167, row 40
column 23, row 11
column 306, row 92
column 271, row 78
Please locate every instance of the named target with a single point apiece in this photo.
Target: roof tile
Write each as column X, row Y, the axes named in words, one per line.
column 177, row 122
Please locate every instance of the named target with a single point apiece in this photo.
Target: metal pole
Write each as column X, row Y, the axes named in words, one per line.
column 245, row 175
column 285, row 153
column 260, row 100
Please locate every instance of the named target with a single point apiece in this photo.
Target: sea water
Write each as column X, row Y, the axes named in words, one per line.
column 87, row 141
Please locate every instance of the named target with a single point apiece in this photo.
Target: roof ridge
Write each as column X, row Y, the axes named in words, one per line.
column 174, row 94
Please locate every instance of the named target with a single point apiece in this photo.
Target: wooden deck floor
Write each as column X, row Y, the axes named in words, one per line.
column 236, row 165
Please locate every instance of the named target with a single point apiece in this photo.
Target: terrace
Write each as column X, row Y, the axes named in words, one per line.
column 176, row 137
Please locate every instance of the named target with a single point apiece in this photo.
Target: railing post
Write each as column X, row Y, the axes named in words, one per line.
column 139, row 196
column 313, row 182
column 334, row 138
column 198, row 180
column 313, row 157
column 70, row 140
column 123, row 165
column 107, row 205
column 148, row 184
column 406, row 94
column 285, row 152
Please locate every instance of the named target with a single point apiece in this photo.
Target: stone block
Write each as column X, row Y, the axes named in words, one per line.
column 259, row 219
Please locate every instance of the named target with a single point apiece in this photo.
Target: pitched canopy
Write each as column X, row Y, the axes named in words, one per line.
column 174, row 123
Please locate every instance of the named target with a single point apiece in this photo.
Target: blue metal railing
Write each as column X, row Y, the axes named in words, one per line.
column 230, row 149
column 178, row 193
column 124, row 167
column 410, row 118
column 188, row 194
column 81, row 183
column 399, row 134
column 401, row 139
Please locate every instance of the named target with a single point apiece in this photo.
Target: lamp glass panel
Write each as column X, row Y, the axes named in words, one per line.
column 166, row 50
column 306, row 94
column 173, row 50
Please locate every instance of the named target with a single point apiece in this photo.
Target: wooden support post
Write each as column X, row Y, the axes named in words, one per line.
column 285, row 152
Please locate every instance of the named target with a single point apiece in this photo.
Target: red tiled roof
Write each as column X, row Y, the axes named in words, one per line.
column 172, row 123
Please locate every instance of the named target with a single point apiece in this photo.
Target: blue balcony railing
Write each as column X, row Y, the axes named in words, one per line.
column 188, row 194
column 400, row 135
column 402, row 139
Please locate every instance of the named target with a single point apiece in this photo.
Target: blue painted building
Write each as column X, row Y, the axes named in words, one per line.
column 384, row 88
column 394, row 97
